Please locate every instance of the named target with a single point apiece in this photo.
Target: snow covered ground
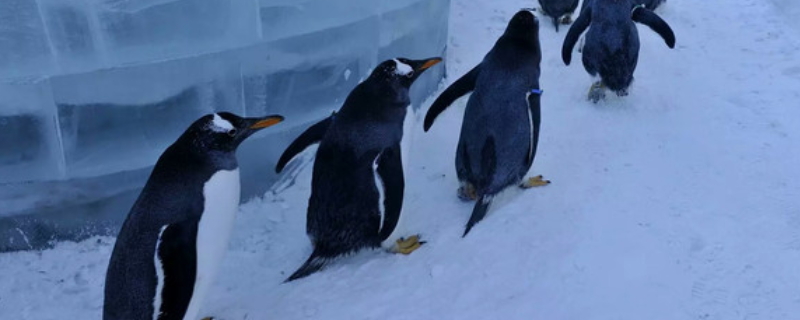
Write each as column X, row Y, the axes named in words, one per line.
column 680, row 201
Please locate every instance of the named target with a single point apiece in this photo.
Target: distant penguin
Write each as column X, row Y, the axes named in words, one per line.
column 559, row 10
column 611, row 48
column 171, row 244
column 500, row 131
column 357, row 184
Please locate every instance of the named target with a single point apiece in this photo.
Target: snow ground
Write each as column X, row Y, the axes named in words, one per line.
column 679, row 201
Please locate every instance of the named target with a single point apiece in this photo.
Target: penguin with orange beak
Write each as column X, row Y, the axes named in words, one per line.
column 174, row 239
column 358, row 184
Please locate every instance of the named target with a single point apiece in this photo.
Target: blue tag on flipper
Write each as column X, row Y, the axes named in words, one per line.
column 537, row 91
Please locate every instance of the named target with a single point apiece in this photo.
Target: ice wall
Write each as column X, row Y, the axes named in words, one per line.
column 92, row 91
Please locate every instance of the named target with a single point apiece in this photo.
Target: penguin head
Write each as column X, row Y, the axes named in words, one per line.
column 523, row 24
column 401, row 71
column 224, row 131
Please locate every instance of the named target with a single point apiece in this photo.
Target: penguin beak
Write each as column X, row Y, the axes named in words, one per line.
column 268, row 121
column 421, row 65
column 253, row 125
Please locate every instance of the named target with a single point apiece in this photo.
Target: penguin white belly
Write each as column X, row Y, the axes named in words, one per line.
column 380, row 187
column 159, row 276
column 221, row 194
column 409, row 129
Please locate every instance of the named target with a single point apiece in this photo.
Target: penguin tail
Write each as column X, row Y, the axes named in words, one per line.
column 314, row 263
column 556, row 22
column 478, row 212
column 489, row 168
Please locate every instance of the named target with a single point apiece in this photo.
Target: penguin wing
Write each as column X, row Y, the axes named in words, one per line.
column 584, row 4
column 390, row 172
column 575, row 31
column 312, row 135
column 534, row 115
column 176, row 268
column 652, row 20
column 462, row 86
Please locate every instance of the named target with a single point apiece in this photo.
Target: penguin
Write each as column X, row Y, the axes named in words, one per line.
column 649, row 4
column 171, row 243
column 357, row 183
column 611, row 48
column 559, row 10
column 500, row 129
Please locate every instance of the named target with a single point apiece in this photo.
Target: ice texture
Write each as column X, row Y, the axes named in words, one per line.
column 166, row 29
column 24, row 46
column 29, row 142
column 136, row 112
column 93, row 91
column 74, row 34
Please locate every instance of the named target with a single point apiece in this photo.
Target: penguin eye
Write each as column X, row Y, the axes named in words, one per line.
column 410, row 74
column 232, row 132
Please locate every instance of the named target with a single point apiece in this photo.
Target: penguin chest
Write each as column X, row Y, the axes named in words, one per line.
column 380, row 188
column 221, row 200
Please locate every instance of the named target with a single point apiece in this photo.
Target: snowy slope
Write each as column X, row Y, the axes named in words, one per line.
column 679, row 201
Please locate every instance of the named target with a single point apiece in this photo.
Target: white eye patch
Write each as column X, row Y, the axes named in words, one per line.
column 402, row 68
column 218, row 124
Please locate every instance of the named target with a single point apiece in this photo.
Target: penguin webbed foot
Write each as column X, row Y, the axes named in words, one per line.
column 407, row 245
column 467, row 192
column 537, row 181
column 597, row 92
column 622, row 92
column 566, row 19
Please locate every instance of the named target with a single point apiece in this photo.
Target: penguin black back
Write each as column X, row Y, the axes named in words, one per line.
column 500, row 130
column 649, row 4
column 159, row 235
column 611, row 48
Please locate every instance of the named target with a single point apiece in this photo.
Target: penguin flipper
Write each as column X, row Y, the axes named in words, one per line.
column 311, row 136
column 177, row 254
column 478, row 212
column 652, row 20
column 462, row 86
column 390, row 170
column 575, row 31
column 488, row 168
column 535, row 115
